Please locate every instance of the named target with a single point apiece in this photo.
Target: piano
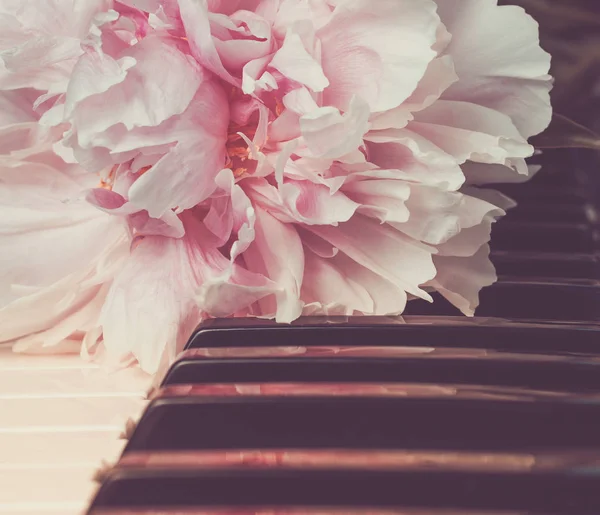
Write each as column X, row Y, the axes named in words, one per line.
column 430, row 413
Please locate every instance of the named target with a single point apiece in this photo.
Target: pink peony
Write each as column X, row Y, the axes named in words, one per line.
column 266, row 158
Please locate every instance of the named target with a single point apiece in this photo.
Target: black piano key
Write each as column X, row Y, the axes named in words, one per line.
column 547, row 300
column 550, row 213
column 541, row 237
column 362, row 417
column 369, row 480
column 410, row 331
column 286, row 510
column 535, row 264
column 549, row 194
column 388, row 364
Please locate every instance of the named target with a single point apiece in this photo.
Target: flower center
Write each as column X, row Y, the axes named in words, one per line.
column 238, row 151
column 107, row 180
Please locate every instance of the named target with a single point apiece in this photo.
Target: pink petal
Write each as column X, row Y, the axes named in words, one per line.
column 233, row 292
column 253, row 39
column 198, row 158
column 382, row 198
column 383, row 250
column 475, row 220
column 150, row 309
column 196, row 20
column 231, row 211
column 357, row 56
column 468, row 131
column 293, row 61
column 327, row 286
column 460, row 279
column 499, row 61
column 330, row 134
column 314, row 204
column 277, row 254
column 104, row 93
column 57, row 250
column 139, row 221
column 439, row 76
column 415, row 157
column 387, row 296
column 436, row 215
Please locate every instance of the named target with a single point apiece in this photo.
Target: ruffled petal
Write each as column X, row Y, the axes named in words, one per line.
column 460, row 279
column 383, row 250
column 150, row 308
column 363, row 63
column 498, row 58
column 471, row 132
column 57, row 251
column 278, row 255
column 330, row 134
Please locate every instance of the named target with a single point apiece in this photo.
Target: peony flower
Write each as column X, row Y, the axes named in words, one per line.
column 275, row 158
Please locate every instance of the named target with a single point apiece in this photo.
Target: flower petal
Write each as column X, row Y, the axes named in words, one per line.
column 382, row 54
column 56, row 250
column 277, row 254
column 469, row 131
column 293, row 61
column 383, row 250
column 499, row 61
column 150, row 309
column 330, row 134
column 460, row 279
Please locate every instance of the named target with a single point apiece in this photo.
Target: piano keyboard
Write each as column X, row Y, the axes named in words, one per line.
column 431, row 413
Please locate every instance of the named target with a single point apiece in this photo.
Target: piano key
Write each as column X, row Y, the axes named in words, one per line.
column 548, row 299
column 361, row 460
column 549, row 194
column 540, row 237
column 307, row 510
column 535, row 264
column 363, row 416
column 21, row 450
column 410, row 331
column 551, row 213
column 388, row 365
column 44, row 508
column 37, row 412
column 385, row 480
column 54, row 484
column 69, row 382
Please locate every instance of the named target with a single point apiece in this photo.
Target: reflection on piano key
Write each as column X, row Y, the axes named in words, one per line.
column 374, row 479
column 289, row 511
column 540, row 237
column 540, row 265
column 387, row 364
column 376, row 416
column 550, row 213
column 409, row 331
column 548, row 299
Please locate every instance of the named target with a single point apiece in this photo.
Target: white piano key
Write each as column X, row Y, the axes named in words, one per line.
column 10, row 360
column 67, row 381
column 65, row 374
column 52, row 485
column 60, row 419
column 44, row 508
column 20, row 449
column 32, row 413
